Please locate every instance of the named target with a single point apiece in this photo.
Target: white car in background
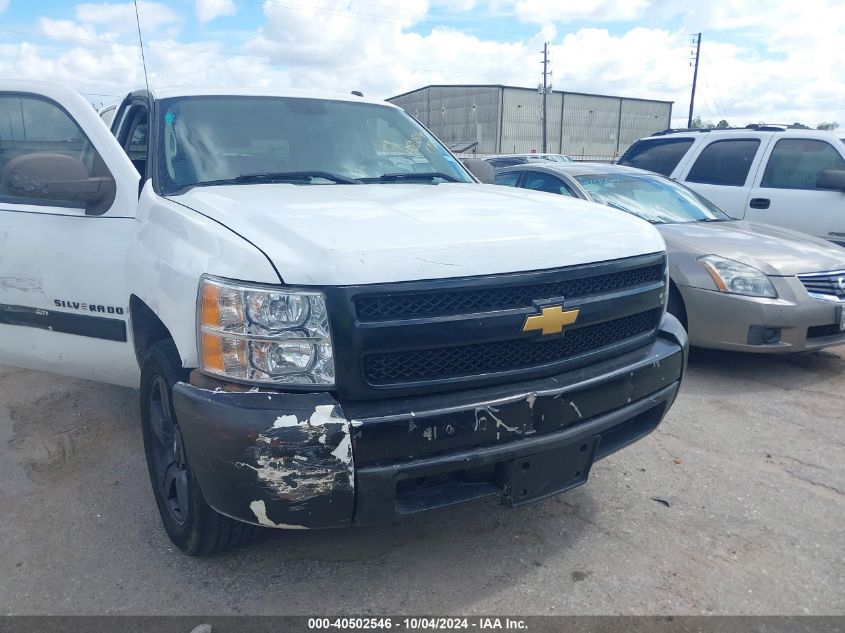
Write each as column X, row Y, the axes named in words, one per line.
column 788, row 177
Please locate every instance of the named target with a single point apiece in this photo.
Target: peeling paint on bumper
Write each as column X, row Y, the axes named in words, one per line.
column 305, row 460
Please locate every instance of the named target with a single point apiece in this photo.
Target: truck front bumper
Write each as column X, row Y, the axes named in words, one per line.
column 306, row 460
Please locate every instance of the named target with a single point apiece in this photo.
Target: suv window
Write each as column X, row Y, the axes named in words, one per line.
column 539, row 181
column 46, row 159
column 724, row 162
column 796, row 163
column 656, row 154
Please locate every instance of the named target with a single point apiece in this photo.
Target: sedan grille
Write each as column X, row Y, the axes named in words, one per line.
column 825, row 285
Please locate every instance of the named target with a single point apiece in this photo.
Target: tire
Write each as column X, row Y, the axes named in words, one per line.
column 192, row 525
column 676, row 306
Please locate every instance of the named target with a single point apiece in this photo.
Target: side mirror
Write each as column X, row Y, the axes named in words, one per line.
column 55, row 177
column 831, row 179
column 481, row 169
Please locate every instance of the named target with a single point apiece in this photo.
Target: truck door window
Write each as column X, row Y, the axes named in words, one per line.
column 796, row 163
column 539, row 181
column 134, row 138
column 724, row 162
column 47, row 160
column 660, row 154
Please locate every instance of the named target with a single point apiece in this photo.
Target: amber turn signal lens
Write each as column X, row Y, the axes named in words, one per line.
column 717, row 279
column 212, row 350
column 211, row 305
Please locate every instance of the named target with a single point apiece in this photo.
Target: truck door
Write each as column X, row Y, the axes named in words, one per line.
column 785, row 193
column 68, row 195
column 723, row 170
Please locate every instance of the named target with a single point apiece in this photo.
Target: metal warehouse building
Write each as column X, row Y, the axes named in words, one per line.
column 508, row 120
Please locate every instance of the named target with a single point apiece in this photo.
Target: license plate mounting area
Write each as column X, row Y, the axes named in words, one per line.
column 534, row 477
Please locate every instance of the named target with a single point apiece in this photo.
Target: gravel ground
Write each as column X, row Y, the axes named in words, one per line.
column 749, row 461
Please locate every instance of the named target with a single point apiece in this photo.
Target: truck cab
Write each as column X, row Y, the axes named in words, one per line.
column 329, row 319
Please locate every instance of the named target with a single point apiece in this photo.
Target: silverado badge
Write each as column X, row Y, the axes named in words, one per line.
column 551, row 320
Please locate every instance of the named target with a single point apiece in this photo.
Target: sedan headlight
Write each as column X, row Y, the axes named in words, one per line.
column 737, row 278
column 264, row 334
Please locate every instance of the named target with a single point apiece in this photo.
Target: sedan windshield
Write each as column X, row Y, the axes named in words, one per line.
column 652, row 198
column 206, row 141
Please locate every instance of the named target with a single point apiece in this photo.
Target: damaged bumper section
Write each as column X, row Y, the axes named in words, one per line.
column 307, row 460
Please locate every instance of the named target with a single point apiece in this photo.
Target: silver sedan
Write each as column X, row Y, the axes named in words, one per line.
column 734, row 285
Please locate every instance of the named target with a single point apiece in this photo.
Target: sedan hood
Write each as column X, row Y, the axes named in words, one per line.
column 361, row 234
column 773, row 250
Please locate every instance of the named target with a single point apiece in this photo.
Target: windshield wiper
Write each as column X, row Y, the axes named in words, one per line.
column 286, row 176
column 429, row 175
column 282, row 176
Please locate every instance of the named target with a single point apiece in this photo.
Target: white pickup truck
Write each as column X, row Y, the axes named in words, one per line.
column 330, row 320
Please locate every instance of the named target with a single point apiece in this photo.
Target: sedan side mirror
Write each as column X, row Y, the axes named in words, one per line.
column 46, row 177
column 481, row 169
column 831, row 179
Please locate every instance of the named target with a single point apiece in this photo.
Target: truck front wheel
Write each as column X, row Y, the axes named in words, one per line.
column 192, row 525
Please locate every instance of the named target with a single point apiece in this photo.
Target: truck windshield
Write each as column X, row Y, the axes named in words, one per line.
column 656, row 199
column 211, row 140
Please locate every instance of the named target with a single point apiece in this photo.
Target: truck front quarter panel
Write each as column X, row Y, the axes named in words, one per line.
column 175, row 246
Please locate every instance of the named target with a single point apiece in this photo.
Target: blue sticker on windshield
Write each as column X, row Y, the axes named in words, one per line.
column 170, row 117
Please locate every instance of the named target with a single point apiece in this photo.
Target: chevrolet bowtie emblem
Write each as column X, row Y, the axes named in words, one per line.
column 551, row 320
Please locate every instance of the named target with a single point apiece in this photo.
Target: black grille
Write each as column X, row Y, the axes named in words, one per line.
column 824, row 284
column 504, row 355
column 817, row 331
column 438, row 303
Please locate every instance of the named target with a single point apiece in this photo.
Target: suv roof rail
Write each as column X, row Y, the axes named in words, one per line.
column 673, row 130
column 768, row 127
column 757, row 127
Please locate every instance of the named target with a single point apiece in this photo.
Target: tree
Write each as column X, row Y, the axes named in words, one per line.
column 799, row 126
column 723, row 124
column 833, row 125
column 699, row 124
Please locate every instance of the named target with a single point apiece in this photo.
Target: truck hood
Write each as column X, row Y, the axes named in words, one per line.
column 362, row 234
column 774, row 250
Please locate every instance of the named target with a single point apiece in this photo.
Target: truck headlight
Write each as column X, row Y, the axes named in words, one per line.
column 737, row 278
column 264, row 334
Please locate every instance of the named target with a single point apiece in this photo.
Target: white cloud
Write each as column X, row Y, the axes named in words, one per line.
column 208, row 10
column 782, row 65
column 120, row 17
column 544, row 11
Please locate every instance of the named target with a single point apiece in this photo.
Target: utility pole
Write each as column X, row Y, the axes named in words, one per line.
column 545, row 95
column 694, row 77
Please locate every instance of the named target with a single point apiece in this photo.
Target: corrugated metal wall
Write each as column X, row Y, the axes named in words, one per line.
column 458, row 116
column 590, row 126
column 641, row 118
column 523, row 120
column 507, row 120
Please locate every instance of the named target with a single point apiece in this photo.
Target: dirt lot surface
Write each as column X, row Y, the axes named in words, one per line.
column 749, row 462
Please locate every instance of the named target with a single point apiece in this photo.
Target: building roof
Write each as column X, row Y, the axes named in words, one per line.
column 586, row 94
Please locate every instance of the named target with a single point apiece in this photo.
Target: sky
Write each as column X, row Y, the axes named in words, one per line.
column 775, row 62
